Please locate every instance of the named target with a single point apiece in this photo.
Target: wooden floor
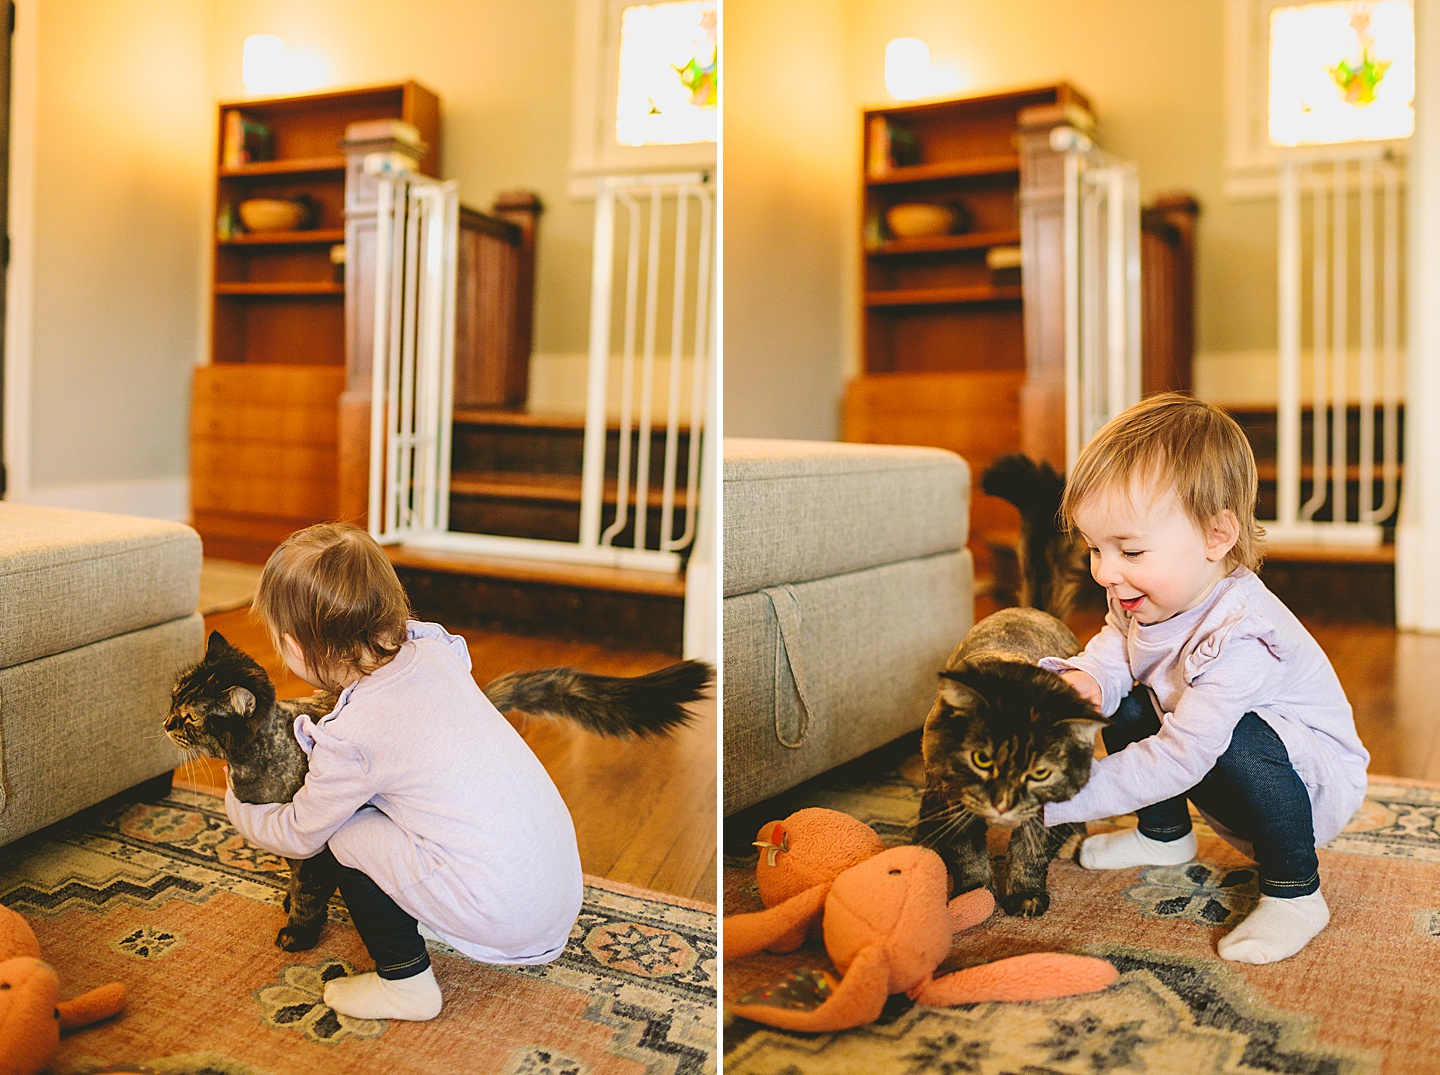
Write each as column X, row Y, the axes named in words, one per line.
column 644, row 811
column 1392, row 679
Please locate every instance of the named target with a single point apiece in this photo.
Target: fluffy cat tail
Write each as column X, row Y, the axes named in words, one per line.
column 620, row 706
column 1050, row 566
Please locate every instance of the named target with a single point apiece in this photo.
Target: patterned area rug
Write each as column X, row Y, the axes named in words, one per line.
column 170, row 900
column 1364, row 996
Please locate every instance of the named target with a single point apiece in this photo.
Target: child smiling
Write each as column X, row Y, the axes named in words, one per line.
column 1237, row 708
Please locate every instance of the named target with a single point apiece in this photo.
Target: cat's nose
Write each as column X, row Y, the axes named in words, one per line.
column 173, row 722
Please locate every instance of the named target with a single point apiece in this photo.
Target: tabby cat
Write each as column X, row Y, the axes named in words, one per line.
column 225, row 707
column 1005, row 737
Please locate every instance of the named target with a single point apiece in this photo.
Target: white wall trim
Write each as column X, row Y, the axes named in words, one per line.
column 1417, row 538
column 20, row 276
column 161, row 498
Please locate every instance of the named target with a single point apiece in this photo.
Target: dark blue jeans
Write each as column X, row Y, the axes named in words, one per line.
column 391, row 936
column 1253, row 791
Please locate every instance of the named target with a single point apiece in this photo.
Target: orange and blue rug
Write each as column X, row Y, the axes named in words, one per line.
column 167, row 898
column 1363, row 997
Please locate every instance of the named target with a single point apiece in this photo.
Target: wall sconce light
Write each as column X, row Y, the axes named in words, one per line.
column 907, row 68
column 909, row 74
column 262, row 64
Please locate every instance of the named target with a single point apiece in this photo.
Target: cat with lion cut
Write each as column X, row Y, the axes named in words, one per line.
column 401, row 783
column 1005, row 737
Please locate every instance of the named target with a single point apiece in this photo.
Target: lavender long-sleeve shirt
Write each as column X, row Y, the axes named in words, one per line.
column 1239, row 651
column 417, row 780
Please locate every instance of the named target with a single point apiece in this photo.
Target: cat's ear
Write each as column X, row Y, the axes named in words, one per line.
column 241, row 700
column 1085, row 728
column 216, row 644
column 954, row 690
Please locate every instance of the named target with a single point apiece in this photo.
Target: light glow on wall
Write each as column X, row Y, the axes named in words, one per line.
column 1342, row 72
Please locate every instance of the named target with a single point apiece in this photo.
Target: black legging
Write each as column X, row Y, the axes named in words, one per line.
column 390, row 935
column 1253, row 791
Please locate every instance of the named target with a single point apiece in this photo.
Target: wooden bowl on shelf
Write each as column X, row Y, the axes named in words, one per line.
column 918, row 220
column 275, row 214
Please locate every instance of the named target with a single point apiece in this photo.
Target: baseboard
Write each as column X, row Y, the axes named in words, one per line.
column 161, row 499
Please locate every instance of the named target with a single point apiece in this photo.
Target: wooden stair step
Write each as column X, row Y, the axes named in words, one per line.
column 1323, row 553
column 614, row 607
column 1270, row 472
column 548, row 488
column 509, row 418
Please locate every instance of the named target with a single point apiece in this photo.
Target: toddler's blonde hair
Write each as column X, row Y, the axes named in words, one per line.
column 332, row 588
column 1172, row 442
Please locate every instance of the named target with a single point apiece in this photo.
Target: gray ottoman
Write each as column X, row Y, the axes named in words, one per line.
column 847, row 584
column 97, row 614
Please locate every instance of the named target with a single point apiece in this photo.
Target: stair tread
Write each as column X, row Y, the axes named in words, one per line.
column 550, row 572
column 1317, row 553
column 519, row 419
column 1269, row 471
column 556, row 488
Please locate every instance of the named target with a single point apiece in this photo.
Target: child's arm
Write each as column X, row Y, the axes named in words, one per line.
column 336, row 785
column 1189, row 742
column 1104, row 660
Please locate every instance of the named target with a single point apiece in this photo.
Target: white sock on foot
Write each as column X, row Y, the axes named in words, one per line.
column 369, row 996
column 1276, row 929
column 1128, row 847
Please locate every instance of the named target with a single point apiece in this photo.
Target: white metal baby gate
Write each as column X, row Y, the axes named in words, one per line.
column 1332, row 181
column 1102, row 287
column 656, row 230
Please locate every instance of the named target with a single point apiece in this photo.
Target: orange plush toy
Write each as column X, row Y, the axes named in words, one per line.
column 887, row 927
column 31, row 1013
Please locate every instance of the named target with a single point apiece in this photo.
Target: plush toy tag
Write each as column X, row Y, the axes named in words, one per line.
column 772, row 840
column 803, row 989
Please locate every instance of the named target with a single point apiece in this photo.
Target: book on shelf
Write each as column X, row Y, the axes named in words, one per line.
column 245, row 140
column 384, row 130
column 889, row 145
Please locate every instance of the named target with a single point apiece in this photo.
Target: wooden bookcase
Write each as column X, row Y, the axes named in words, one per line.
column 946, row 339
column 263, row 416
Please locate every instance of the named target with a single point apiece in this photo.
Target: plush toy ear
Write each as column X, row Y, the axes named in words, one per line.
column 1038, row 976
column 91, row 1007
column 242, row 701
column 858, row 999
column 780, row 928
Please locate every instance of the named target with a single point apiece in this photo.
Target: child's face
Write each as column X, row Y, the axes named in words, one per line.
column 1150, row 555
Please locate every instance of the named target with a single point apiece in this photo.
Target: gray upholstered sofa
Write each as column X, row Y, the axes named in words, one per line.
column 847, row 584
column 97, row 614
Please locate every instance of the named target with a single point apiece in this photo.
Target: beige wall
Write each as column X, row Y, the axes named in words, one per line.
column 789, row 147
column 119, row 156
column 123, row 191
column 1151, row 68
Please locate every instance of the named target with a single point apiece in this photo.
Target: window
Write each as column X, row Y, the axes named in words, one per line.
column 647, row 88
column 1313, row 74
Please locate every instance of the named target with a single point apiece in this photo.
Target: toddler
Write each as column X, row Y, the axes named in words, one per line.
column 1237, row 708
column 433, row 806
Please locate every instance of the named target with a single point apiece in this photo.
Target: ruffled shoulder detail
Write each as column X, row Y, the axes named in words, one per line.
column 1228, row 624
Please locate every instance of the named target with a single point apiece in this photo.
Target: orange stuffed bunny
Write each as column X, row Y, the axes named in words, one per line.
column 887, row 927
column 31, row 1013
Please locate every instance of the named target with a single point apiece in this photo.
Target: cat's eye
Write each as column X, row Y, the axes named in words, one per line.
column 981, row 759
column 1038, row 774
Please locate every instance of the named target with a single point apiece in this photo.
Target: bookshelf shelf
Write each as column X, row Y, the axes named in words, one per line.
column 1005, row 165
column 317, row 236
column 941, row 296
column 242, row 290
column 302, row 166
column 939, row 244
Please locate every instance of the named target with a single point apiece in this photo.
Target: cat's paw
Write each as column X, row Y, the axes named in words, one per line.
column 299, row 938
column 1026, row 904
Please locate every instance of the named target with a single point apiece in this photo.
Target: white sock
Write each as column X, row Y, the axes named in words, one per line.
column 1276, row 929
column 1128, row 847
column 369, row 996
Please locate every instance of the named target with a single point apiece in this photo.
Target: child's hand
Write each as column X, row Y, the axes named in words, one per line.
column 1084, row 683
